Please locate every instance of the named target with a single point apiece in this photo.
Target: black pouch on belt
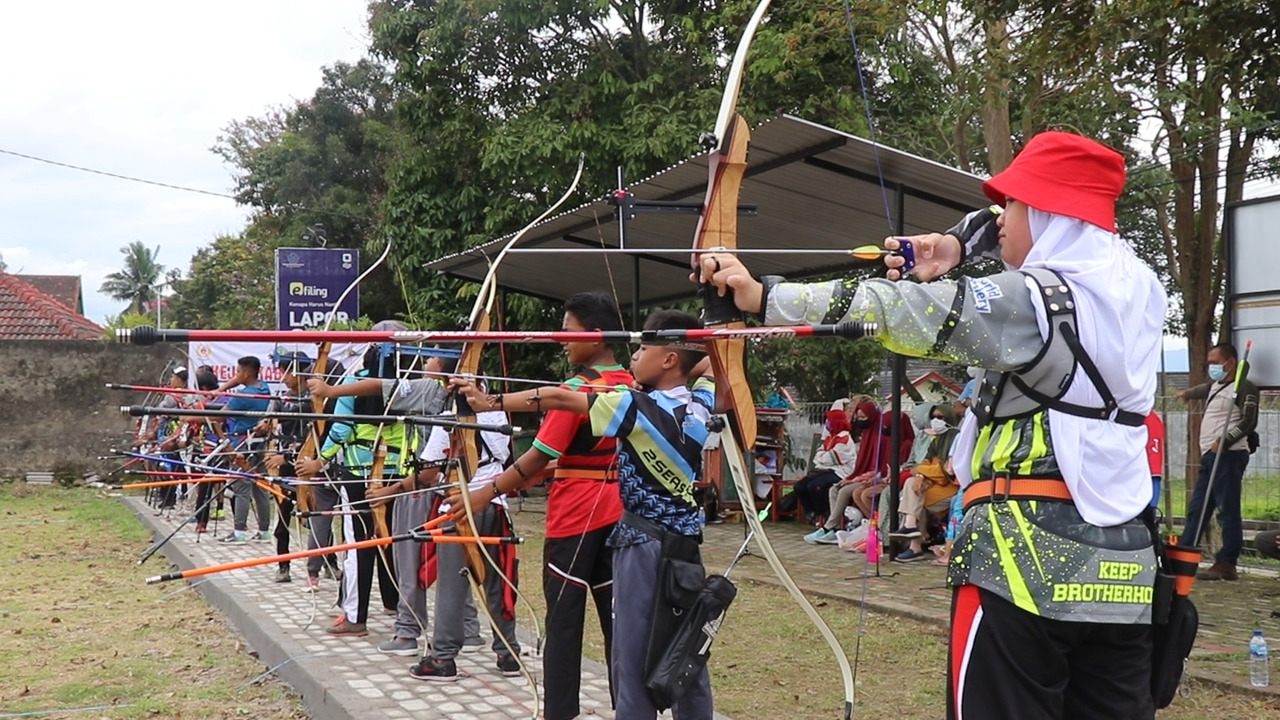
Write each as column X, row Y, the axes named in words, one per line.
column 1174, row 618
column 680, row 578
column 689, row 650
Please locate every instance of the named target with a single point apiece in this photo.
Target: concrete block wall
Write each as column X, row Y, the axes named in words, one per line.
column 55, row 412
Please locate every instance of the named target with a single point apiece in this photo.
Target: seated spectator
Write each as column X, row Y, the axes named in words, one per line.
column 840, row 496
column 832, row 462
column 930, row 485
column 920, row 421
column 876, row 446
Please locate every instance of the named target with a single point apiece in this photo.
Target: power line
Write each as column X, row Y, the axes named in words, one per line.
column 116, row 175
column 170, row 186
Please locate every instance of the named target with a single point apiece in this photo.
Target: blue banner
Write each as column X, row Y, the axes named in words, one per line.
column 308, row 283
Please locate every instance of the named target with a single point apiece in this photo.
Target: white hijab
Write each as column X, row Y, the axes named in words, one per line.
column 1120, row 312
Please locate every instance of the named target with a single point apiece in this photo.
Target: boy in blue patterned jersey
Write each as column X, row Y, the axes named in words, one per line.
column 661, row 428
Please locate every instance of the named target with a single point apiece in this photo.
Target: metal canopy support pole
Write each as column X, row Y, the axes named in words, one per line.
column 899, row 373
column 627, row 207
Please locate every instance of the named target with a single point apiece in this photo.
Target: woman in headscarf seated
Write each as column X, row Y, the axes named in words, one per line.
column 930, row 485
column 875, row 453
column 833, row 461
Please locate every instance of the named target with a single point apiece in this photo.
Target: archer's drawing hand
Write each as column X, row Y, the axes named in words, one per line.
column 936, row 255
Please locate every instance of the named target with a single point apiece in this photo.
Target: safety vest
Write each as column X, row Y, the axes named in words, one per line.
column 1022, row 537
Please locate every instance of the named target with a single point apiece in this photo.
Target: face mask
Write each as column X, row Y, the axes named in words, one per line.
column 1217, row 373
column 861, row 425
column 937, row 424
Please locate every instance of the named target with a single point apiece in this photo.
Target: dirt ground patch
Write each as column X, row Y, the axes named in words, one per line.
column 770, row 662
column 80, row 629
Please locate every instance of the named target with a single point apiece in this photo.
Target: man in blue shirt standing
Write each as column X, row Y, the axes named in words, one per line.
column 255, row 397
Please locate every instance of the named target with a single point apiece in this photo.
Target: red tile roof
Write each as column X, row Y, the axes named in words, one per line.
column 63, row 288
column 28, row 314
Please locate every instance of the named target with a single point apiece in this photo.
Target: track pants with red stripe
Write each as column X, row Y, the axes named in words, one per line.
column 1004, row 662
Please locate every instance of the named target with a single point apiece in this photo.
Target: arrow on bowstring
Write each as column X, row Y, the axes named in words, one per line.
column 144, row 335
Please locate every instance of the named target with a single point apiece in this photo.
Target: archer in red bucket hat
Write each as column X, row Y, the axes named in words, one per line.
column 1051, row 455
column 1064, row 174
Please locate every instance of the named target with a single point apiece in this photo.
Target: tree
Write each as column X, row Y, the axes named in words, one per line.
column 494, row 102
column 136, row 282
column 230, row 284
column 314, row 172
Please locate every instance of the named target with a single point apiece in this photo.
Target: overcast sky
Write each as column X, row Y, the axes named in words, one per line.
column 142, row 88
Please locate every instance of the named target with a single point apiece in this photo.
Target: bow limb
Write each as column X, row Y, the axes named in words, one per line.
column 380, row 527
column 469, row 363
column 311, row 446
column 718, row 228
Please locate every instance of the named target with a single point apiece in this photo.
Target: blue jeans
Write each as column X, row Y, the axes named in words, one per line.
column 1224, row 497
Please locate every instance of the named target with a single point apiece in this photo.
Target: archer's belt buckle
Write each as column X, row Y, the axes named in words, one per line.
column 996, row 495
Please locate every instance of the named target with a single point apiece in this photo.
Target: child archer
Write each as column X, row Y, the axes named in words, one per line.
column 661, row 429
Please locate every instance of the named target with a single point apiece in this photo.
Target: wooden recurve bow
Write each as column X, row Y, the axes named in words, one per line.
column 717, row 228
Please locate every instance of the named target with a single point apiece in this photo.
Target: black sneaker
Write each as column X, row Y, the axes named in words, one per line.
column 509, row 665
column 435, row 670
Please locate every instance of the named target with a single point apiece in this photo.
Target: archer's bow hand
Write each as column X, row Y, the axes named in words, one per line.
column 380, row 496
column 725, row 271
column 319, row 388
column 476, row 498
column 274, row 462
column 475, row 398
column 307, row 469
column 936, row 254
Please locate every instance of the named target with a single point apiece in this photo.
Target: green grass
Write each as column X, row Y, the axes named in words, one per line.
column 1259, row 497
column 80, row 628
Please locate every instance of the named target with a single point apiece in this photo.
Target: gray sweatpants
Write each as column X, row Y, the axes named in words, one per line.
column 246, row 490
column 453, row 591
column 323, row 497
column 408, row 512
column 635, row 582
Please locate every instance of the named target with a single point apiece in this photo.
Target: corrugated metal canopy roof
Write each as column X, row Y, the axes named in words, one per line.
column 814, row 187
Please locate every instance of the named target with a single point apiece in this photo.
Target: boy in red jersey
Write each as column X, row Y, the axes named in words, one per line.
column 582, row 507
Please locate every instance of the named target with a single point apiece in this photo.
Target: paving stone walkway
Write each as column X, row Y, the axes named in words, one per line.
column 348, row 678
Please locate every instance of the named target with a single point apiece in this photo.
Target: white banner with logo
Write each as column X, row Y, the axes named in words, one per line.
column 222, row 358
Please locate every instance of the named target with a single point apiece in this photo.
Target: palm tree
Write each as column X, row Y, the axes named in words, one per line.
column 136, row 282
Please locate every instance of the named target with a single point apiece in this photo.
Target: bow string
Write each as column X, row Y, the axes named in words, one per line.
column 717, row 228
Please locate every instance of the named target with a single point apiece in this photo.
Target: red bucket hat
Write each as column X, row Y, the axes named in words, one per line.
column 1064, row 174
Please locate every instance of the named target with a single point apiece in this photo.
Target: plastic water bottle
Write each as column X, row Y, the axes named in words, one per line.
column 1259, row 673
